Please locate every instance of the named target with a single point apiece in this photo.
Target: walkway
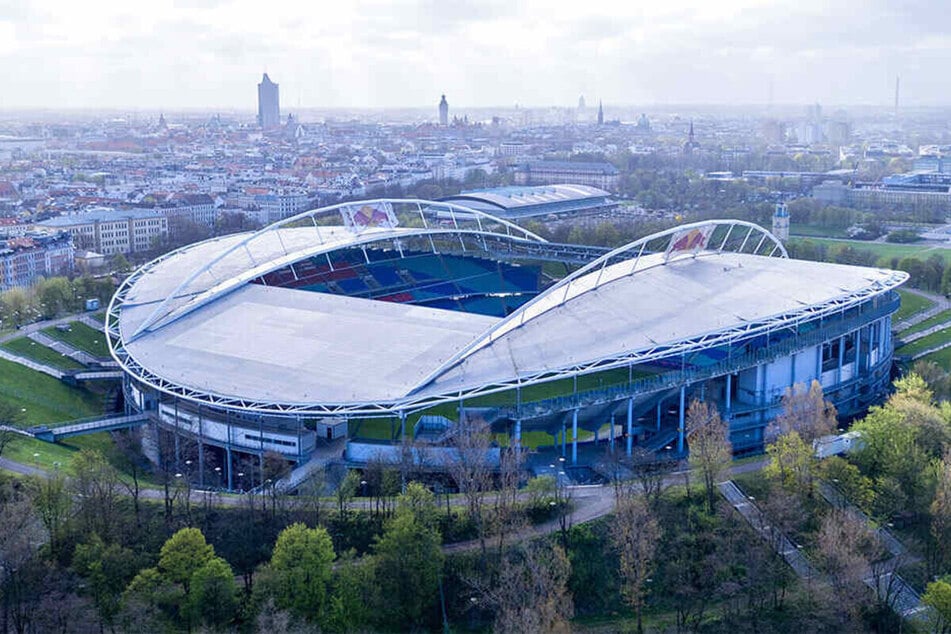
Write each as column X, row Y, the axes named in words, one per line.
column 883, row 578
column 940, row 303
column 63, row 348
column 776, row 539
column 87, row 426
column 33, row 365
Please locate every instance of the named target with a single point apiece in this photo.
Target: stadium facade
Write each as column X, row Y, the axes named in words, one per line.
column 390, row 320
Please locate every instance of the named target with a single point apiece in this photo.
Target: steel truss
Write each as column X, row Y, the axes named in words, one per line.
column 423, row 399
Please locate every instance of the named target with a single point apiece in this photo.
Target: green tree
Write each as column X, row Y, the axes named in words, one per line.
column 938, row 597
column 213, row 595
column 185, row 552
column 352, row 596
column 408, row 565
column 419, row 502
column 791, row 463
column 108, row 569
column 301, row 568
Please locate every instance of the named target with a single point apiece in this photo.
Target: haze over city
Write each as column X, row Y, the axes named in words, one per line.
column 206, row 54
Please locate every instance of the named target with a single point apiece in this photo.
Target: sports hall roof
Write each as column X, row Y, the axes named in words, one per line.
column 526, row 201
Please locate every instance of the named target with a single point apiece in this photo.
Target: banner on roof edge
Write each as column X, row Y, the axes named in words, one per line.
column 689, row 241
column 360, row 217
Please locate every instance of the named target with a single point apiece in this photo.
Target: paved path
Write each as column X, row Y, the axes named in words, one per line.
column 62, row 347
column 775, row 538
column 33, row 365
column 835, row 498
column 937, row 348
column 940, row 303
column 36, row 326
column 883, row 577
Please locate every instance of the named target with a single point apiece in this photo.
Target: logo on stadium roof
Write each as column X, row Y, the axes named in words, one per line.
column 360, row 217
column 689, row 241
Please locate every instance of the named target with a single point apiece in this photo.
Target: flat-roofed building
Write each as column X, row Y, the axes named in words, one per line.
column 603, row 175
column 112, row 231
column 552, row 201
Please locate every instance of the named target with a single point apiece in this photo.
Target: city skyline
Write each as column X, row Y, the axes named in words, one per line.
column 207, row 54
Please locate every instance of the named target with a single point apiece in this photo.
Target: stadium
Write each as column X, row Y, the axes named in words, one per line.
column 349, row 330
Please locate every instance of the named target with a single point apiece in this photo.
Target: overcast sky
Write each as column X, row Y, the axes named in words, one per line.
column 168, row 54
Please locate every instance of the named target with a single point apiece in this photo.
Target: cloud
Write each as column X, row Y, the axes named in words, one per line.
column 381, row 53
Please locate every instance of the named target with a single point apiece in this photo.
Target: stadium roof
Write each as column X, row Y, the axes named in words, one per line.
column 522, row 202
column 278, row 350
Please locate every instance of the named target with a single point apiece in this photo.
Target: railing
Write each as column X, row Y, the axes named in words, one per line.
column 670, row 380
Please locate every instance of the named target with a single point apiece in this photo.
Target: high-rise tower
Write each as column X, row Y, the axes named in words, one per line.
column 269, row 104
column 781, row 222
column 443, row 111
column 600, row 113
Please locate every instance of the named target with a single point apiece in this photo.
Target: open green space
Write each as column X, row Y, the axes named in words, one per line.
column 942, row 317
column 49, row 456
column 43, row 400
column 930, row 341
column 29, row 349
column 942, row 358
column 370, row 428
column 889, row 250
column 815, row 231
column 911, row 304
column 81, row 337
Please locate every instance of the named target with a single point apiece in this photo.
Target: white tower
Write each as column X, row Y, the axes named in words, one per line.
column 781, row 222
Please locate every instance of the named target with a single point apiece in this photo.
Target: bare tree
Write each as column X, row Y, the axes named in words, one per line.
column 53, row 505
column 21, row 531
column 710, row 450
column 844, row 541
column 471, row 470
column 635, row 533
column 10, row 417
column 531, row 593
column 509, row 517
column 309, row 494
column 649, row 474
column 96, row 486
column 807, row 412
column 783, row 511
column 129, row 444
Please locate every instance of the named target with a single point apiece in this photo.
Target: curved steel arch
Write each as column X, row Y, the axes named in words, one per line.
column 544, row 302
column 456, row 214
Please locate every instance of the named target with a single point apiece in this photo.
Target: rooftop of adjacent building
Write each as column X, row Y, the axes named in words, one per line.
column 100, row 215
column 570, row 166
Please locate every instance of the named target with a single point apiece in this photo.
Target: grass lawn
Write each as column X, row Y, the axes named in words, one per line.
column 932, row 340
column 81, row 337
column 940, row 318
column 888, row 250
column 42, row 399
column 812, row 231
column 911, row 304
column 372, row 428
column 29, row 349
column 941, row 357
column 45, row 455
